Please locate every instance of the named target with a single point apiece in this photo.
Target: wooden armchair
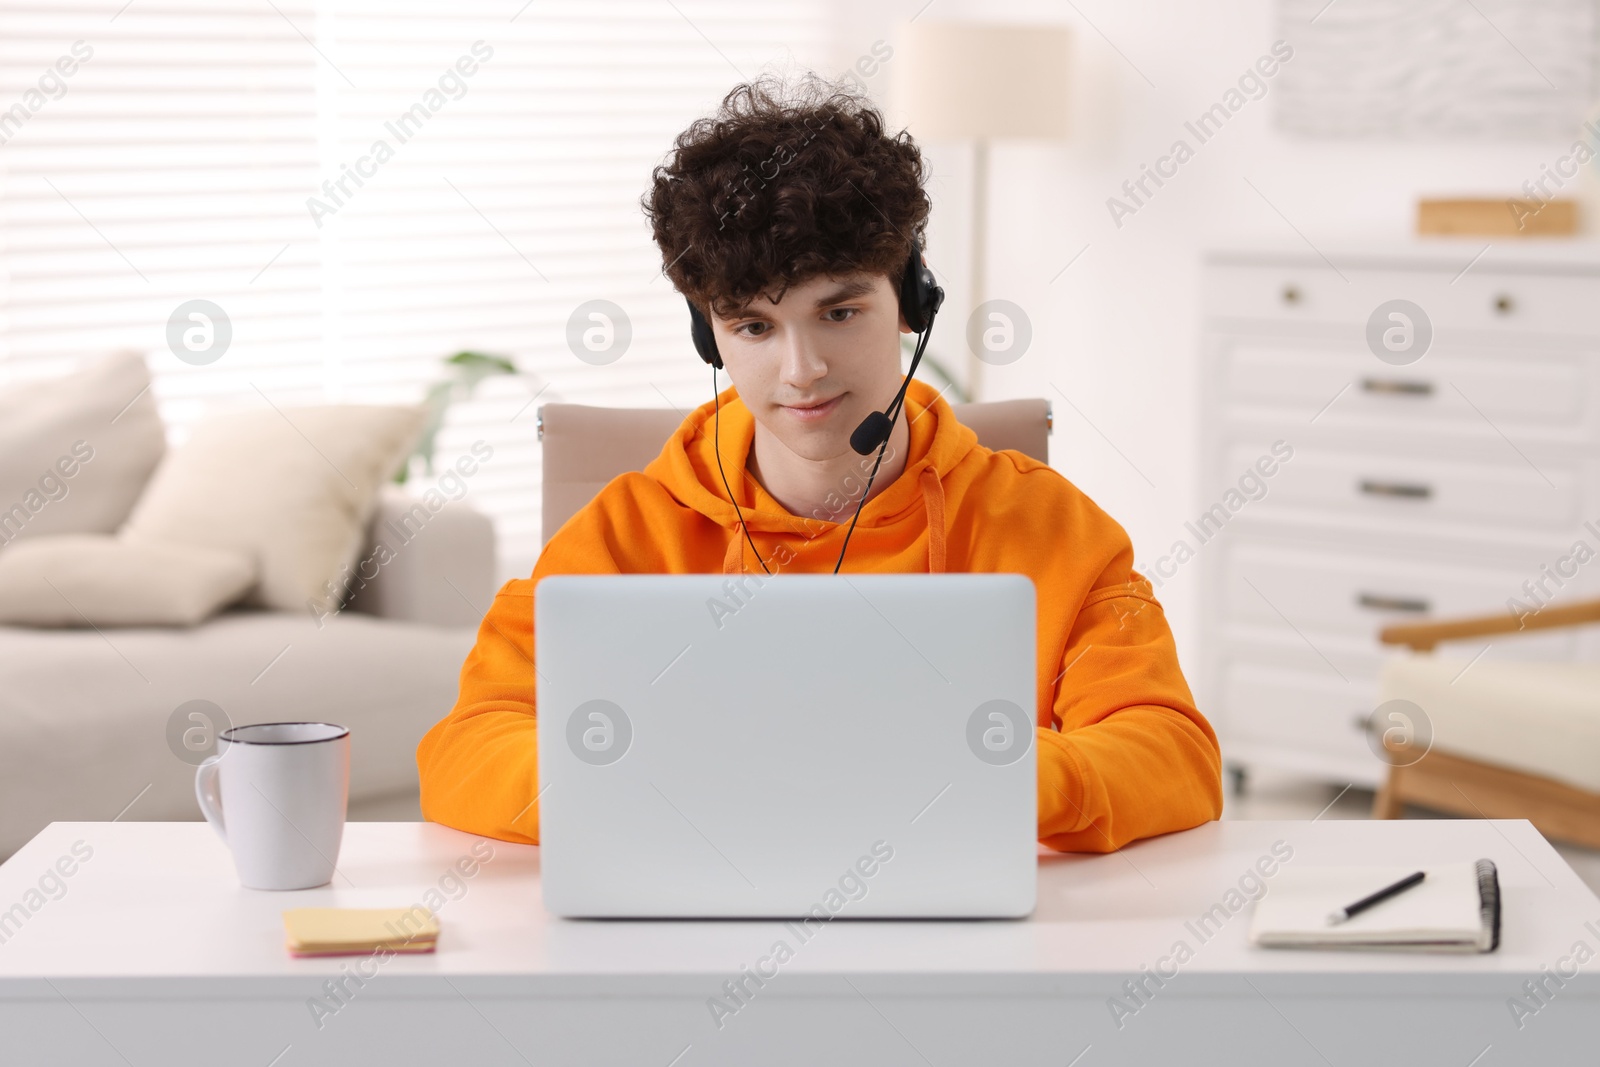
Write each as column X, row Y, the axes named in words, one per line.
column 1509, row 739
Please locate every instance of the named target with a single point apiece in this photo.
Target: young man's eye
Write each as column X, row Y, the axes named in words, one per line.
column 845, row 314
column 751, row 329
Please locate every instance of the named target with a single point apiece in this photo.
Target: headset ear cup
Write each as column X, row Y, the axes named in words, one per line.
column 912, row 297
column 920, row 294
column 933, row 296
column 705, row 341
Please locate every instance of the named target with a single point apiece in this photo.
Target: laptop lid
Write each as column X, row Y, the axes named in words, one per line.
column 743, row 746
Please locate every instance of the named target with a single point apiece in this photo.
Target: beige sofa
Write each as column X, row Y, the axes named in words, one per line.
column 84, row 714
column 93, row 718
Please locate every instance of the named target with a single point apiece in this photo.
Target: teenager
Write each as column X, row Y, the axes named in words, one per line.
column 789, row 220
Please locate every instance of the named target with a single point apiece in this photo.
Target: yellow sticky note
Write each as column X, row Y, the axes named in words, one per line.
column 328, row 931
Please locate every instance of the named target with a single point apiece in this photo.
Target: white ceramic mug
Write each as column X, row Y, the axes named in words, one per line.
column 275, row 793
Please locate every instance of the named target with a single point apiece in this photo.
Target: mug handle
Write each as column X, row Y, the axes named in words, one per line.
column 209, row 795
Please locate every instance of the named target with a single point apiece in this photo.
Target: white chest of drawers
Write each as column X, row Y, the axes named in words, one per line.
column 1430, row 488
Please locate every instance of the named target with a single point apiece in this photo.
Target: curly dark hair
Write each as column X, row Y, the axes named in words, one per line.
column 782, row 184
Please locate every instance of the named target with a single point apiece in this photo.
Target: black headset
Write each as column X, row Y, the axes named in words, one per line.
column 920, row 299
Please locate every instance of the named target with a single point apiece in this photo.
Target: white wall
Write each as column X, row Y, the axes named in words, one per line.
column 1117, row 333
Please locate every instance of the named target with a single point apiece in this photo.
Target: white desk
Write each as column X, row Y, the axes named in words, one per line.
column 155, row 956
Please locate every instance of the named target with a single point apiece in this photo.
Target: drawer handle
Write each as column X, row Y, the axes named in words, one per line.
column 1400, row 489
column 1394, row 388
column 1291, row 294
column 1375, row 602
column 1504, row 305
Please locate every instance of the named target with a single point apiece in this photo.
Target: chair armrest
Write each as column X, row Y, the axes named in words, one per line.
column 432, row 567
column 1422, row 636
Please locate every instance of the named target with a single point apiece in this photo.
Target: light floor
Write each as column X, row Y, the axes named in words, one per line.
column 1284, row 796
column 1267, row 796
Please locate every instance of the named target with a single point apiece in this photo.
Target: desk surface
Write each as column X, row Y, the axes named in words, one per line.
column 162, row 899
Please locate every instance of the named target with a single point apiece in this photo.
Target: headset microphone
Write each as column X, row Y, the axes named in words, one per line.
column 920, row 298
column 875, row 428
column 873, row 431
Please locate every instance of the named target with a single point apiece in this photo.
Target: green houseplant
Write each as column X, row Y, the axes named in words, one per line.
column 464, row 372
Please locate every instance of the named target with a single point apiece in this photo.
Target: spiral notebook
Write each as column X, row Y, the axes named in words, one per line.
column 1456, row 908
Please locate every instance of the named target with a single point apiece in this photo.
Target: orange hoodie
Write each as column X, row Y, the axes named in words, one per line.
column 1123, row 752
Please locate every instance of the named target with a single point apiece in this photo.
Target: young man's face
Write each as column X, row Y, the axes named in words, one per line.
column 812, row 366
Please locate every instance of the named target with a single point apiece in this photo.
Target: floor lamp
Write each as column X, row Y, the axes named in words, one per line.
column 981, row 82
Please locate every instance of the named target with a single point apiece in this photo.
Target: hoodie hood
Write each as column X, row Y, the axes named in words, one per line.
column 687, row 469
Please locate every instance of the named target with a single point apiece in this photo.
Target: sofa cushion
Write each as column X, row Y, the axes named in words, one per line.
column 76, row 451
column 100, row 580
column 292, row 488
column 1538, row 718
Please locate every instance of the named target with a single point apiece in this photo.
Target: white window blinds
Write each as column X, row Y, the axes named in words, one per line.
column 363, row 189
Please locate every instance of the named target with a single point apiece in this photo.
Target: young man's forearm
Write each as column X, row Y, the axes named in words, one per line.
column 1133, row 756
column 479, row 766
column 1139, row 772
column 480, row 772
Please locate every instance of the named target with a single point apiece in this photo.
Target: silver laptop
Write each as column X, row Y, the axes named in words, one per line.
column 823, row 746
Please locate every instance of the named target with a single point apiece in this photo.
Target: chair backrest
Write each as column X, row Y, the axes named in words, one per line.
column 585, row 447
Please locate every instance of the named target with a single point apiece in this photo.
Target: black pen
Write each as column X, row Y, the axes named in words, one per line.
column 1368, row 901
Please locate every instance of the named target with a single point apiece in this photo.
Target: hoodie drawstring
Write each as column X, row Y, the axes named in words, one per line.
column 932, row 502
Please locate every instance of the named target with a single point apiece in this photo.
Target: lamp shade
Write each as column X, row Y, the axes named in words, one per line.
column 965, row 80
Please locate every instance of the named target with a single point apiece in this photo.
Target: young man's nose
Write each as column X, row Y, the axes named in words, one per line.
column 801, row 364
